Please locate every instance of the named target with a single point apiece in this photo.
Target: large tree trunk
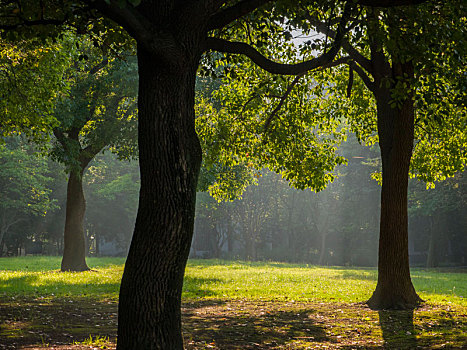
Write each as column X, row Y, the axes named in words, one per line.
column 74, row 252
column 149, row 314
column 394, row 289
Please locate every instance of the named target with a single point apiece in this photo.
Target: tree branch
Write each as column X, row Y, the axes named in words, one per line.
column 160, row 42
column 339, row 61
column 99, row 66
column 357, row 56
column 28, row 23
column 389, row 3
column 88, row 153
column 60, row 136
column 226, row 46
column 230, row 14
column 365, row 78
column 281, row 102
column 222, row 45
column 236, row 47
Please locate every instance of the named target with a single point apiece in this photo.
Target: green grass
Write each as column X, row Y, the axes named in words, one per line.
column 276, row 305
column 233, row 280
column 217, row 279
column 41, row 277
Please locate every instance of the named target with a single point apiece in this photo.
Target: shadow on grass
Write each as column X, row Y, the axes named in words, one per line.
column 28, row 322
column 31, row 322
column 432, row 283
column 250, row 326
column 434, row 329
column 398, row 329
column 197, row 287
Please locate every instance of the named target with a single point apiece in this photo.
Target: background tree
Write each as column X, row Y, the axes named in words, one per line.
column 24, row 188
column 112, row 188
column 436, row 215
column 99, row 112
column 412, row 85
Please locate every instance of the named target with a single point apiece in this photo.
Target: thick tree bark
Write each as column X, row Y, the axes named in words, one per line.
column 394, row 289
column 170, row 159
column 74, row 252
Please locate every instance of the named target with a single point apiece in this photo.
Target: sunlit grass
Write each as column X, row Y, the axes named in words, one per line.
column 233, row 280
column 40, row 276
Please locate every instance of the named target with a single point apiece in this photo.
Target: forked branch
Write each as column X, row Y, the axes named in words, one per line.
column 273, row 67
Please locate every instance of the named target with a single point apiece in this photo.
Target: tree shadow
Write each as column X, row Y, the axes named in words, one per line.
column 198, row 287
column 249, row 327
column 30, row 322
column 362, row 275
column 398, row 329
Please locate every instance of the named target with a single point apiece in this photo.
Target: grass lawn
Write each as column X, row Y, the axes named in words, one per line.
column 231, row 305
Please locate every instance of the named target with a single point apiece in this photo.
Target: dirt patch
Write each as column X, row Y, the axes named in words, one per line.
column 240, row 324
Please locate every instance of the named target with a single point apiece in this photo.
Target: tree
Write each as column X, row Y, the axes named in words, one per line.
column 437, row 207
column 23, row 185
column 171, row 38
column 99, row 112
column 413, row 86
column 170, row 157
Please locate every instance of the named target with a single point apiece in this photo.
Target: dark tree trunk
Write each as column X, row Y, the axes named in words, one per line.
column 97, row 240
column 74, row 251
column 394, row 289
column 149, row 314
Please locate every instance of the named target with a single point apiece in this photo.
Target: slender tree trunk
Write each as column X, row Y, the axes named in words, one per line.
column 98, row 251
column 430, row 259
column 2, row 234
column 249, row 247
column 291, row 232
column 216, row 242
column 149, row 314
column 394, row 289
column 74, row 251
column 322, row 252
column 230, row 237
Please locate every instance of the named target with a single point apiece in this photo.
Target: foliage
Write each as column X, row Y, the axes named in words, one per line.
column 436, row 33
column 31, row 80
column 299, row 140
column 100, row 110
column 24, row 181
column 447, row 196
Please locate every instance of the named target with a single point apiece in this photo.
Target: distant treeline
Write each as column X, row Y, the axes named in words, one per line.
column 270, row 221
